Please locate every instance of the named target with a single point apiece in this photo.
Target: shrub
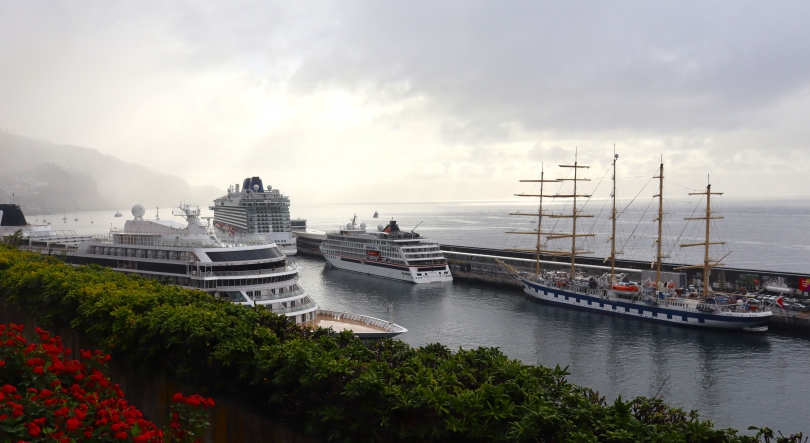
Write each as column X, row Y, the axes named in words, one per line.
column 336, row 386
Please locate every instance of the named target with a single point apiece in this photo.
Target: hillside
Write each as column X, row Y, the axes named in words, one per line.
column 52, row 177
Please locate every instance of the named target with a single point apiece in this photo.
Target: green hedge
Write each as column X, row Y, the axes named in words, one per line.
column 335, row 386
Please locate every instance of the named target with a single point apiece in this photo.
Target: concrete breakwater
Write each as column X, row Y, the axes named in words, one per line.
column 478, row 265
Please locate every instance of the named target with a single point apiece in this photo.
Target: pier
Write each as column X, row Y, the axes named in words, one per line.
column 479, row 265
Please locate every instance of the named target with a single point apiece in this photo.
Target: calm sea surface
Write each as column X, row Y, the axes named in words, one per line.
column 734, row 379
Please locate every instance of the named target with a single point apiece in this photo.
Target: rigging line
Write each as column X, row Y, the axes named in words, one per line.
column 565, row 203
column 684, row 227
column 642, row 215
column 596, row 219
column 686, row 178
column 597, row 187
column 634, row 198
column 627, row 240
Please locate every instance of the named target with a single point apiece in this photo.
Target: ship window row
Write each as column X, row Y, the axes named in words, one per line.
column 242, row 281
column 251, row 254
column 352, row 254
column 155, row 254
column 282, row 291
column 436, row 255
column 421, row 249
column 360, row 252
column 289, row 304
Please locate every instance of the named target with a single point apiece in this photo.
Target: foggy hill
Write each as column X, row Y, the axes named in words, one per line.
column 63, row 177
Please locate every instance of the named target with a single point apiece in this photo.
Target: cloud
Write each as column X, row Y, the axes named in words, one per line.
column 438, row 100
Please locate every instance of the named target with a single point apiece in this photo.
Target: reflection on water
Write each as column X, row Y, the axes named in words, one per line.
column 735, row 379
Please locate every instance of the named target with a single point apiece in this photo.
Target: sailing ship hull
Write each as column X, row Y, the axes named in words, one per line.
column 413, row 274
column 593, row 300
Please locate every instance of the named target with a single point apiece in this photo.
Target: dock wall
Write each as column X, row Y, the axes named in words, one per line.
column 230, row 420
column 478, row 265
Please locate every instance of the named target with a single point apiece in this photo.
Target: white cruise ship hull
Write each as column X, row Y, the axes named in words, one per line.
column 413, row 274
column 662, row 312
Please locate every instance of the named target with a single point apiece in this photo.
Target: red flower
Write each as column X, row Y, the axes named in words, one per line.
column 177, row 397
column 33, row 429
column 73, row 424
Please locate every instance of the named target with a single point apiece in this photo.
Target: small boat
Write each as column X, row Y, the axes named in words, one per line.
column 376, row 215
column 118, row 214
column 76, row 216
column 91, row 219
column 64, row 218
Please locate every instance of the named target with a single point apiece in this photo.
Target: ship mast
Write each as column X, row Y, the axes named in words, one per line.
column 539, row 223
column 574, row 214
column 660, row 220
column 707, row 262
column 613, row 218
column 539, row 215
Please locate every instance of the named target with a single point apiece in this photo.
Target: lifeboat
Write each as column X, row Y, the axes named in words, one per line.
column 625, row 289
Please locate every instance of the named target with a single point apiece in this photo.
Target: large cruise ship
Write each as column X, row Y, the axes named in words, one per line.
column 251, row 271
column 389, row 253
column 255, row 211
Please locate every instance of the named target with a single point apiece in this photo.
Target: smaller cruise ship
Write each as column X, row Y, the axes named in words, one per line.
column 388, row 253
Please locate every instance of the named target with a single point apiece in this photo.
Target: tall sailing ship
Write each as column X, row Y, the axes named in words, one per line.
column 389, row 253
column 254, row 211
column 608, row 293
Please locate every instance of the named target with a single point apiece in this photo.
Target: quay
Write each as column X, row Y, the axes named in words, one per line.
column 478, row 265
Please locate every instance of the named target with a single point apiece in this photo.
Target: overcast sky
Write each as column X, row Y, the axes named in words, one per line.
column 419, row 101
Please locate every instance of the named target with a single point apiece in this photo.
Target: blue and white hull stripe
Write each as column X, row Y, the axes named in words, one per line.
column 641, row 310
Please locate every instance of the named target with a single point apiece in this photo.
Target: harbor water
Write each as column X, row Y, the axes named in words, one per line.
column 734, row 379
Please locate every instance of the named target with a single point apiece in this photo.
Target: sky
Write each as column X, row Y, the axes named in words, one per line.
column 370, row 101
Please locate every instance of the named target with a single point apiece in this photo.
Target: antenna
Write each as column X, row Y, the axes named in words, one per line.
column 414, row 228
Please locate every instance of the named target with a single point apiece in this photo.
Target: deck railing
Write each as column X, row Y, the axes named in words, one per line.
column 296, row 308
column 137, row 240
column 390, row 327
column 295, row 293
